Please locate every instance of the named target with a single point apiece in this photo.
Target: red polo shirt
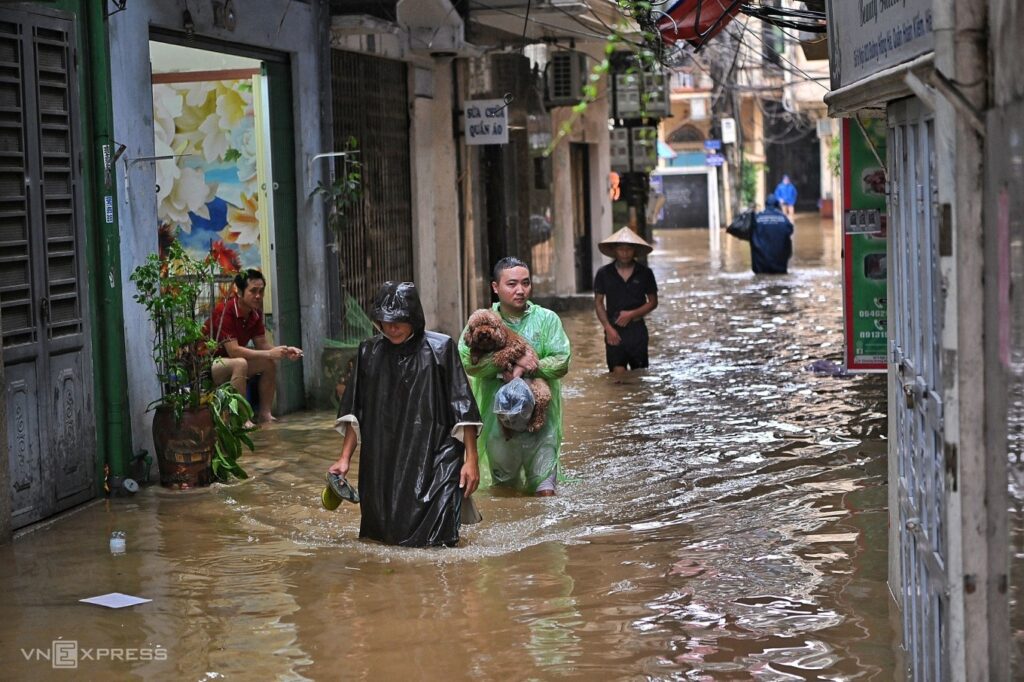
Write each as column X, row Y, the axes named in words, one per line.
column 227, row 324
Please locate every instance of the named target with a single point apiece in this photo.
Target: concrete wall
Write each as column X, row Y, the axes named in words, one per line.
column 290, row 28
column 592, row 129
column 436, row 233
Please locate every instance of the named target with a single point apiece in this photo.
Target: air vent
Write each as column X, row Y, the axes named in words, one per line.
column 566, row 75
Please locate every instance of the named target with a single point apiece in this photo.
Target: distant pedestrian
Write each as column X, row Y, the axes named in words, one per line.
column 785, row 191
column 624, row 293
column 771, row 240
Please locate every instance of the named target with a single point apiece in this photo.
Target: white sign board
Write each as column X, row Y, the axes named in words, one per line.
column 868, row 36
column 486, row 121
column 728, row 131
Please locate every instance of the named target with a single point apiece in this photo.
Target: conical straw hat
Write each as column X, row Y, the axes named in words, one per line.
column 625, row 236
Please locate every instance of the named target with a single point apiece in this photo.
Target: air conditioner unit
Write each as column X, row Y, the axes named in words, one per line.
column 618, row 151
column 566, row 76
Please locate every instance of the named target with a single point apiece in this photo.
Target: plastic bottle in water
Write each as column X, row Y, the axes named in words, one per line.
column 117, row 540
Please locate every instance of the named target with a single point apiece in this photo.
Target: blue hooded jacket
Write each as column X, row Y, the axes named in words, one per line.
column 786, row 192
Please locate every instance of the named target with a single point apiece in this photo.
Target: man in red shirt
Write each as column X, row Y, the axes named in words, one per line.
column 234, row 324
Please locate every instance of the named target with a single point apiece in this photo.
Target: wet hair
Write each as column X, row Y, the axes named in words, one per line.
column 242, row 278
column 504, row 264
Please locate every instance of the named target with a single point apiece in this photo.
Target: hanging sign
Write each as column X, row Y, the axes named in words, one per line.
column 486, row 121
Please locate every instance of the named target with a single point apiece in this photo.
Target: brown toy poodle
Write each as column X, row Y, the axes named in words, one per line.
column 486, row 333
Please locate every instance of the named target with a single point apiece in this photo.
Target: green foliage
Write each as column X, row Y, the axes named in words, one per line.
column 344, row 193
column 748, row 183
column 175, row 291
column 647, row 54
column 834, row 156
column 231, row 414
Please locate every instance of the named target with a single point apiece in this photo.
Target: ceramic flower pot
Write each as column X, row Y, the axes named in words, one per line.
column 185, row 449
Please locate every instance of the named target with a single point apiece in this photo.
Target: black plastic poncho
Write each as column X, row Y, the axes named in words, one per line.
column 408, row 403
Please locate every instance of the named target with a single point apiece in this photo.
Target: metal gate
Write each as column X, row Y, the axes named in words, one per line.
column 915, row 400
column 46, row 350
column 371, row 104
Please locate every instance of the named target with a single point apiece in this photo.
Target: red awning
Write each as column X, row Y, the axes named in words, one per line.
column 696, row 21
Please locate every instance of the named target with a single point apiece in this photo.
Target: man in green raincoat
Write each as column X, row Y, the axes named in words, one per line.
column 526, row 461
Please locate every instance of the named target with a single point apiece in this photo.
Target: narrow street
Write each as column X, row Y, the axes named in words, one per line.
column 723, row 517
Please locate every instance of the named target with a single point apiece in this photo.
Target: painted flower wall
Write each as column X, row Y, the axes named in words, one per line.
column 208, row 197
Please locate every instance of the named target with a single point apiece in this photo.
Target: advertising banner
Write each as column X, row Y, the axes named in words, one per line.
column 864, row 246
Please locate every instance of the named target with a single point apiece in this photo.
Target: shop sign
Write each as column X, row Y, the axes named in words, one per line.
column 868, row 36
column 486, row 121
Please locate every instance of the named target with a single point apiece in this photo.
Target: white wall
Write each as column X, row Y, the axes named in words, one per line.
column 592, row 129
column 286, row 27
column 436, row 234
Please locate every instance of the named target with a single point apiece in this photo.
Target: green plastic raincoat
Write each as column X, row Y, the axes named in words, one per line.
column 527, row 459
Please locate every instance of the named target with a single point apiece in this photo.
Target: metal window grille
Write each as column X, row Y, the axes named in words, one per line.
column 371, row 104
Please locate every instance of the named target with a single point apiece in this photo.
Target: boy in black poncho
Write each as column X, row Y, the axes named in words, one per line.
column 409, row 404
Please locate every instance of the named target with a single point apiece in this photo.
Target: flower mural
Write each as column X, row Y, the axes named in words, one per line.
column 207, row 196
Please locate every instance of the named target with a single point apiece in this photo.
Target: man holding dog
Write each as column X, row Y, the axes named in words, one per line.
column 525, row 461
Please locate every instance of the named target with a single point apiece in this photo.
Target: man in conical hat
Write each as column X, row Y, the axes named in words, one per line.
column 624, row 293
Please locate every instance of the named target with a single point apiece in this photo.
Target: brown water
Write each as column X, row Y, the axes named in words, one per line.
column 724, row 518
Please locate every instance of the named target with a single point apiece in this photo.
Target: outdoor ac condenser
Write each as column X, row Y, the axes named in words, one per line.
column 566, row 76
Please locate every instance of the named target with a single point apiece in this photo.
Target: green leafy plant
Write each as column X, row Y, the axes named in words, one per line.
column 231, row 415
column 834, row 155
column 344, row 193
column 748, row 181
column 177, row 291
column 637, row 34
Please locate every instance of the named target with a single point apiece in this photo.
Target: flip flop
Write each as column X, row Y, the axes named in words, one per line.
column 329, row 499
column 342, row 488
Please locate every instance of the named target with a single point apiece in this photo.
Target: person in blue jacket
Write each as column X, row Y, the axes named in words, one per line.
column 771, row 240
column 785, row 191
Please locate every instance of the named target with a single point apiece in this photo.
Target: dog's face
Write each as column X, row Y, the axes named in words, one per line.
column 486, row 332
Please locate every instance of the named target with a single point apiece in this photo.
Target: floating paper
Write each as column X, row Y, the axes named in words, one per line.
column 115, row 600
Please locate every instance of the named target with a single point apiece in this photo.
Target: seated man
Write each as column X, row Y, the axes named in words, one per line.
column 235, row 323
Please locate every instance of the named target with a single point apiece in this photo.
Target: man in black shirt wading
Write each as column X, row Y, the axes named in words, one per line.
column 624, row 292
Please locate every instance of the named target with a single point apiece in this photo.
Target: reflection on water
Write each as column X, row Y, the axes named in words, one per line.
column 723, row 518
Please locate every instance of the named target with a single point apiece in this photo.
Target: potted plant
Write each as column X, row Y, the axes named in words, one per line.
column 198, row 428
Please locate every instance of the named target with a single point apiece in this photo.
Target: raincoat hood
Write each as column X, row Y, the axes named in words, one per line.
column 399, row 302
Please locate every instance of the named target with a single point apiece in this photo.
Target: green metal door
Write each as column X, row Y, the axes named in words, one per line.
column 287, row 314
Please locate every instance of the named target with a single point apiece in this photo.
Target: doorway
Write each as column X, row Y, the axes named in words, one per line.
column 225, row 169
column 579, row 158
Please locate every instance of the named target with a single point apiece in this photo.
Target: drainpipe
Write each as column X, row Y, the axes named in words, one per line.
column 113, row 382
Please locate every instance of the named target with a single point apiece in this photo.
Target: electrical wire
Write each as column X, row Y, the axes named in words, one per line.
column 780, row 56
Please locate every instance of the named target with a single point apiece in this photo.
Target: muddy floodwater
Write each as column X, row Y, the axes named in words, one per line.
column 723, row 518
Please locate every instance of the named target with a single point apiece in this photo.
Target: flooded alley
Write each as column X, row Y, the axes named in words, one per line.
column 723, row 516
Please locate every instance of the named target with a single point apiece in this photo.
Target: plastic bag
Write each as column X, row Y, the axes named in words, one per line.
column 513, row 405
column 743, row 225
